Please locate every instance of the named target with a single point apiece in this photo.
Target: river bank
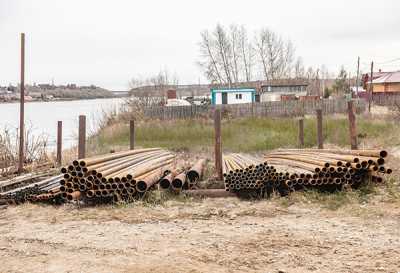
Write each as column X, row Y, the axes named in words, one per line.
column 41, row 117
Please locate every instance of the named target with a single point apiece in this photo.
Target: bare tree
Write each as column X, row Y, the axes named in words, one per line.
column 275, row 54
column 209, row 58
column 235, row 46
column 299, row 72
column 223, row 47
column 228, row 56
column 247, row 53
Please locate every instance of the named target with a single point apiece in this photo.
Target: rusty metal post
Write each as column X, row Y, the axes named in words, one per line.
column 218, row 143
column 82, row 137
column 352, row 126
column 301, row 132
column 320, row 138
column 59, row 143
column 132, row 134
column 21, row 156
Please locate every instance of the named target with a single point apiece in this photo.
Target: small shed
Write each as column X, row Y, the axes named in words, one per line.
column 232, row 95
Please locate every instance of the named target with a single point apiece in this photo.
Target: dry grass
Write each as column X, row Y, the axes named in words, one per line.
column 245, row 135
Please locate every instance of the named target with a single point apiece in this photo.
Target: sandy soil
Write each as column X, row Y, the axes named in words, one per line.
column 211, row 235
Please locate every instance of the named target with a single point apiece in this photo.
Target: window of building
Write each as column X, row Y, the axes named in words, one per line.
column 238, row 96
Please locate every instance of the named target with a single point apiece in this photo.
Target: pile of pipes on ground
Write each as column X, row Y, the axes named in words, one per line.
column 120, row 176
column 178, row 180
column 114, row 177
column 45, row 190
column 289, row 170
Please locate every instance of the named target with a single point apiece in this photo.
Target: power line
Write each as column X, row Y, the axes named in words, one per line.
column 391, row 61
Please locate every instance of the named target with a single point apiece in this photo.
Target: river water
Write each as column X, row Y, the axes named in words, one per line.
column 41, row 117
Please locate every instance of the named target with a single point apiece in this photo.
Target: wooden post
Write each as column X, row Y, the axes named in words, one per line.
column 320, row 138
column 21, row 154
column 218, row 144
column 371, row 88
column 59, row 143
column 301, row 133
column 132, row 134
column 352, row 126
column 82, row 137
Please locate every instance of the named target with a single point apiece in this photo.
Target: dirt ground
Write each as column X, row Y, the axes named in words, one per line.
column 210, row 235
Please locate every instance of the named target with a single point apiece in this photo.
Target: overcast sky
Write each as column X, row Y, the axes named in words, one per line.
column 107, row 42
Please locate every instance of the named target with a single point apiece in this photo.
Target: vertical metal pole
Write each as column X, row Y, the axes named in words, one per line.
column 59, row 143
column 352, row 126
column 320, row 138
column 82, row 137
column 218, row 143
column 132, row 134
column 21, row 156
column 301, row 133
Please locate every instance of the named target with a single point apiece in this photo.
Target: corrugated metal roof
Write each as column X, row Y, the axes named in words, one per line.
column 392, row 77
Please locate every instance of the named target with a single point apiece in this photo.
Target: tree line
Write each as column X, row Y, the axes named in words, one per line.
column 228, row 55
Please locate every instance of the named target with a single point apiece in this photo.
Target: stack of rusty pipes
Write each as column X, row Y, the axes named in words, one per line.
column 244, row 172
column 115, row 176
column 329, row 169
column 45, row 190
column 178, row 180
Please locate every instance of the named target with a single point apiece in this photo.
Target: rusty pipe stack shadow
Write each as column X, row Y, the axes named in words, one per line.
column 114, row 177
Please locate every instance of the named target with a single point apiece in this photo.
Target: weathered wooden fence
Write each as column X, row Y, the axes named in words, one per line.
column 264, row 109
column 386, row 99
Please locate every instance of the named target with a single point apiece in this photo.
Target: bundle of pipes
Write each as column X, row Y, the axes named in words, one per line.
column 328, row 170
column 46, row 190
column 178, row 180
column 115, row 176
column 244, row 172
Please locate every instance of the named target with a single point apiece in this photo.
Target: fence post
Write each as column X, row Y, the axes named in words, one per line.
column 320, row 138
column 21, row 153
column 352, row 126
column 132, row 134
column 82, row 137
column 59, row 143
column 301, row 132
column 218, row 143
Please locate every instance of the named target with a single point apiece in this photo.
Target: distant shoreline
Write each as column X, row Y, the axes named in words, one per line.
column 62, row 99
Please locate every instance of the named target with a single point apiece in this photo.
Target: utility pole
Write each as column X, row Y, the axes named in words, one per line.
column 371, row 87
column 22, row 107
column 358, row 73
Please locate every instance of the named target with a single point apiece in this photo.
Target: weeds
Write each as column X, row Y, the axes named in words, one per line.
column 242, row 135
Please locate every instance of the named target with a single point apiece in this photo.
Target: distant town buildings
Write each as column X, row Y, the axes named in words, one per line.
column 382, row 82
column 46, row 92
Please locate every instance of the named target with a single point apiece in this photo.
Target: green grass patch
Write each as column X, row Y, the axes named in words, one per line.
column 243, row 135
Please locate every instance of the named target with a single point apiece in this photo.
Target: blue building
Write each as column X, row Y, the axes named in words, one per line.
column 232, row 95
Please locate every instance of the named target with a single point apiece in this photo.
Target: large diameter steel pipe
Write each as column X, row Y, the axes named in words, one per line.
column 165, row 182
column 196, row 172
column 102, row 158
column 179, row 181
